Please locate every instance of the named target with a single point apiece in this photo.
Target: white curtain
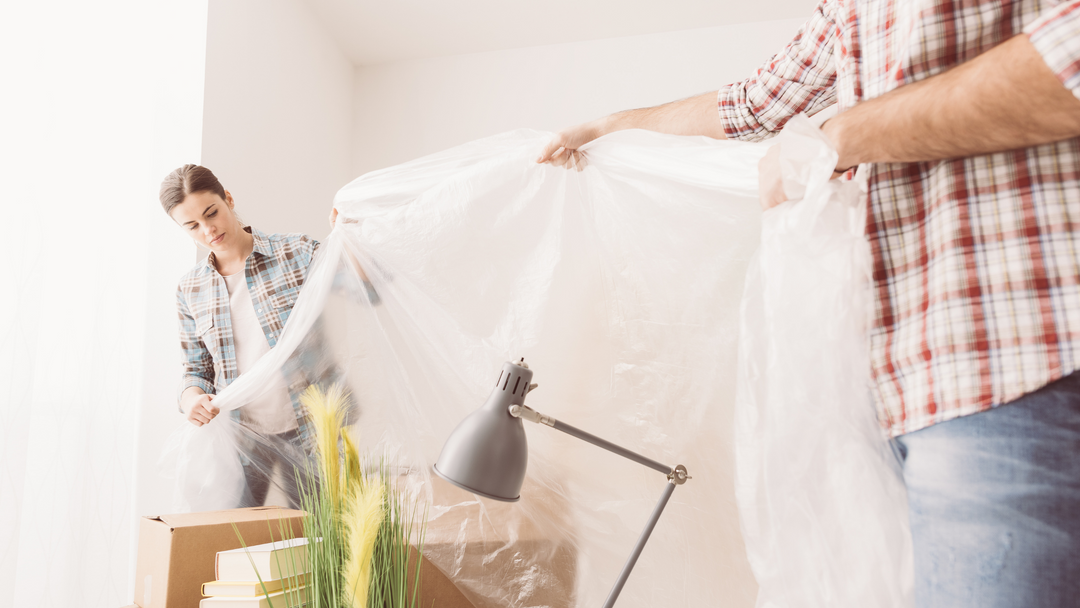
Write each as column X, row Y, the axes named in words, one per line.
column 100, row 101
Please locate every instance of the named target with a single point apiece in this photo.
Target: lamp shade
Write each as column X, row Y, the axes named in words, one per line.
column 487, row 453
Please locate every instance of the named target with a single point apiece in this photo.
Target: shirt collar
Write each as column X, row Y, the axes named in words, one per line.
column 261, row 245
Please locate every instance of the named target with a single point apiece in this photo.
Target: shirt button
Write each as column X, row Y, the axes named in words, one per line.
column 260, row 310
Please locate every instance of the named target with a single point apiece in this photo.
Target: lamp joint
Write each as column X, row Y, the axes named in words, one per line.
column 678, row 475
column 527, row 413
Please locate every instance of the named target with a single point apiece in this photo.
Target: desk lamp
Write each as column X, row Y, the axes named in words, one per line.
column 487, row 453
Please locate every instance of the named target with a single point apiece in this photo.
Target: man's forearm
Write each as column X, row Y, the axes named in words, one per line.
column 1004, row 99
column 696, row 115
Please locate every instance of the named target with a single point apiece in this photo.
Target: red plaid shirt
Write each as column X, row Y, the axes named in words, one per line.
column 976, row 260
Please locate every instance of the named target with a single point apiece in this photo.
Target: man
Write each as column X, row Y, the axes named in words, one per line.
column 968, row 118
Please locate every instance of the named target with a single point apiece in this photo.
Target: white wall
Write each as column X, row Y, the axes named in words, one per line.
column 86, row 139
column 177, row 139
column 407, row 109
column 277, row 128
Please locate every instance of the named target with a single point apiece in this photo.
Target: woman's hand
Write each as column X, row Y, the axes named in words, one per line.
column 333, row 219
column 200, row 410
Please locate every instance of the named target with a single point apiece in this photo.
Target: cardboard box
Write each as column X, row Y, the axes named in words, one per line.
column 539, row 544
column 435, row 588
column 177, row 552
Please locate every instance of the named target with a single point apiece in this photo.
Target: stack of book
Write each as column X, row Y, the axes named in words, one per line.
column 263, row 576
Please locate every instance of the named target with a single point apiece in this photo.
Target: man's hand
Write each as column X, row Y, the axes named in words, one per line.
column 696, row 115
column 562, row 150
column 770, row 182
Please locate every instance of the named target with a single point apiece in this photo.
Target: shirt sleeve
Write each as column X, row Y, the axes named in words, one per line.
column 799, row 79
column 197, row 362
column 1056, row 36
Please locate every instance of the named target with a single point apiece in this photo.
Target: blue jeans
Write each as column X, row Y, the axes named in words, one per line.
column 995, row 504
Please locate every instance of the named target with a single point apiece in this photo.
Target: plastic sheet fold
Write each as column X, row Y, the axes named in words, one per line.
column 820, row 490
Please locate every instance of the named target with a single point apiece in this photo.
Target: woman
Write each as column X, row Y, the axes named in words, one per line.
column 233, row 307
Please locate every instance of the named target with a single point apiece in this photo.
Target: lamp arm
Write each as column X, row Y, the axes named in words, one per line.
column 676, row 474
column 631, row 561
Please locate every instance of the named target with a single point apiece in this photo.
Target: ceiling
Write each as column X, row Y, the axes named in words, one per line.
column 380, row 31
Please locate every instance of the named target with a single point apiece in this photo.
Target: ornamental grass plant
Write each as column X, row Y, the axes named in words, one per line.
column 365, row 546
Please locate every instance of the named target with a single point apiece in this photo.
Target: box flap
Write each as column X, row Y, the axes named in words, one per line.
column 185, row 520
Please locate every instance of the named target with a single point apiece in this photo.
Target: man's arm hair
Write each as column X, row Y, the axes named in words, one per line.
column 1004, row 99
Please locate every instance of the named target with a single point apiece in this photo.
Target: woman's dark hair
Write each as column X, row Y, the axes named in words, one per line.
column 186, row 180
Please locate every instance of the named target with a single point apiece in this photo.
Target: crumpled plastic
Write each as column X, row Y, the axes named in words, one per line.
column 820, row 489
column 619, row 284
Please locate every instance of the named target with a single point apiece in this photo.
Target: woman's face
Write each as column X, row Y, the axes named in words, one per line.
column 209, row 220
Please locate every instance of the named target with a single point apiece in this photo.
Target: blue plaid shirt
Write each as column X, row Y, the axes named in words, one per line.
column 275, row 272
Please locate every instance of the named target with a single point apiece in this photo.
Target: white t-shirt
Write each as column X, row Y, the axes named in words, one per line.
column 272, row 413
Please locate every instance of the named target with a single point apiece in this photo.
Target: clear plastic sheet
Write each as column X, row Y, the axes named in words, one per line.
column 620, row 285
column 820, row 490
